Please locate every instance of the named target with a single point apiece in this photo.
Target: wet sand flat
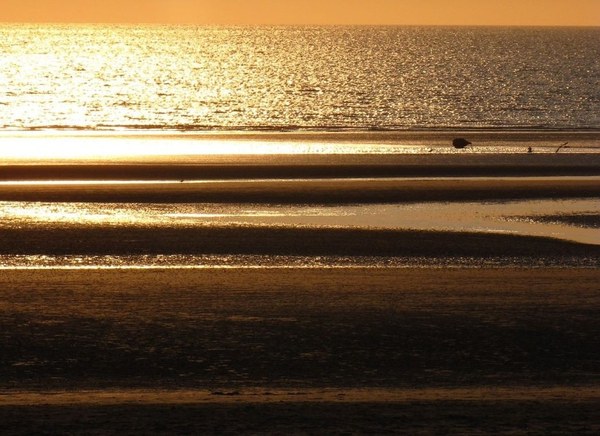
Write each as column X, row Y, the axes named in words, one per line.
column 416, row 418
column 316, row 411
column 253, row 395
column 309, row 166
column 325, row 191
column 84, row 239
column 299, row 327
column 295, row 350
column 299, row 350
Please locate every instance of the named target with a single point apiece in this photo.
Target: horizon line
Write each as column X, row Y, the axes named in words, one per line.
column 190, row 24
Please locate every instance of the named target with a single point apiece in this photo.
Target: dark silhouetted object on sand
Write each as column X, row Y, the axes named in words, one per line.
column 460, row 142
column 561, row 146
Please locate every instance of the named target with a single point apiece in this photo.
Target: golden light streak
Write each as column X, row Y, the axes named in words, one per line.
column 79, row 148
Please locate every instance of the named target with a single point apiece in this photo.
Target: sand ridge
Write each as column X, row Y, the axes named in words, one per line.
column 312, row 395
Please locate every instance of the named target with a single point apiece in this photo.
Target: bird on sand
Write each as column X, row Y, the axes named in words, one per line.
column 460, row 143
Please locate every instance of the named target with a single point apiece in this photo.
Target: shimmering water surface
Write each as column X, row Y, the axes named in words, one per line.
column 197, row 78
column 236, row 262
column 509, row 217
column 517, row 217
column 188, row 146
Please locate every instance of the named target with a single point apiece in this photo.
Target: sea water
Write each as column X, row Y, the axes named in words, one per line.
column 106, row 77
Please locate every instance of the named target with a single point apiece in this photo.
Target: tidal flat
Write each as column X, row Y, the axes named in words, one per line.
column 291, row 349
column 441, row 292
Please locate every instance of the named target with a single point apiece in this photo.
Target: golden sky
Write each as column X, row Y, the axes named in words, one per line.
column 426, row 12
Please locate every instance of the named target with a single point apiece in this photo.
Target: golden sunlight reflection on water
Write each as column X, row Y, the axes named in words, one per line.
column 251, row 78
column 230, row 261
column 516, row 217
column 106, row 147
column 102, row 146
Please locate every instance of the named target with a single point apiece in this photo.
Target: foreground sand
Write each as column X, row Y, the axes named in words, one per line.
column 325, row 412
column 457, row 417
column 313, row 350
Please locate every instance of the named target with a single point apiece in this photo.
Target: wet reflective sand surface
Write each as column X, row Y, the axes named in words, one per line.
column 33, row 224
column 412, row 290
column 395, row 346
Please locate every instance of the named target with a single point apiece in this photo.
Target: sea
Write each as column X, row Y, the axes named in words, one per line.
column 190, row 78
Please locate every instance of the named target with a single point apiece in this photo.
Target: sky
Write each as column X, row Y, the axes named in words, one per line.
column 385, row 12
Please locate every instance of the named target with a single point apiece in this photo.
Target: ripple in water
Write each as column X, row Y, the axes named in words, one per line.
column 195, row 78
